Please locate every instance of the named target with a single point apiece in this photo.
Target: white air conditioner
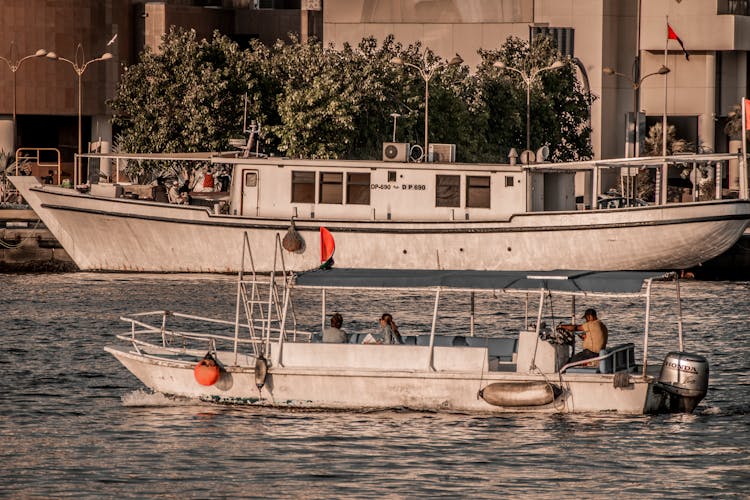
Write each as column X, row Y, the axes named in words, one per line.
column 395, row 151
column 442, row 153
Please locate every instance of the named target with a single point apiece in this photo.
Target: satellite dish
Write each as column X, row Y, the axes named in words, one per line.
column 542, row 153
column 527, row 157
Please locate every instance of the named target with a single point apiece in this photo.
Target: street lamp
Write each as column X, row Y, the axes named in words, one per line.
column 427, row 72
column 14, row 63
column 528, row 79
column 79, row 66
column 636, row 84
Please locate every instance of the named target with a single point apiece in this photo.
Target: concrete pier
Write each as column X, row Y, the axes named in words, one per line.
column 26, row 245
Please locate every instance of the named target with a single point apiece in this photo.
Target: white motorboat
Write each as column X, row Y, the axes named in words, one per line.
column 264, row 359
column 394, row 215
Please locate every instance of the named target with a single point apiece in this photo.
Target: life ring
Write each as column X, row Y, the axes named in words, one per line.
column 207, row 372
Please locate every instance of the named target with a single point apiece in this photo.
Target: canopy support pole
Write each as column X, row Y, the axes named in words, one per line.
column 538, row 326
column 430, row 365
column 323, row 311
column 471, row 316
column 645, row 334
column 679, row 314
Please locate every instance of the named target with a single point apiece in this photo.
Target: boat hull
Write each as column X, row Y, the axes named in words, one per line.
column 112, row 234
column 358, row 389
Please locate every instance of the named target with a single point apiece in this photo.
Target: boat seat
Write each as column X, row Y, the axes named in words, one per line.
column 618, row 358
column 502, row 349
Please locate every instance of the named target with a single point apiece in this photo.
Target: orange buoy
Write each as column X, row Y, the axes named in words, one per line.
column 206, row 372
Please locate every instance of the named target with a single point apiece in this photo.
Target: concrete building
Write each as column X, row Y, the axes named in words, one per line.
column 46, row 90
column 600, row 34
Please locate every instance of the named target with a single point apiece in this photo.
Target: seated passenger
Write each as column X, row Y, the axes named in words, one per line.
column 388, row 333
column 594, row 336
column 334, row 334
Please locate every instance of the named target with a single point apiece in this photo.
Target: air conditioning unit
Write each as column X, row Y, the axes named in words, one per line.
column 442, row 153
column 395, row 151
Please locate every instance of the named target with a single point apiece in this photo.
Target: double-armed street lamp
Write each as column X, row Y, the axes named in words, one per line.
column 528, row 78
column 636, row 84
column 79, row 65
column 14, row 62
column 427, row 71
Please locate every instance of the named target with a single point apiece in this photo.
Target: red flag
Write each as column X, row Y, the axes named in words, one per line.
column 671, row 35
column 746, row 103
column 327, row 247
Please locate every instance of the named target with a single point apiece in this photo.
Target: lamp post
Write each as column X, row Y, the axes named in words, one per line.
column 528, row 79
column 427, row 72
column 79, row 65
column 14, row 62
column 636, row 84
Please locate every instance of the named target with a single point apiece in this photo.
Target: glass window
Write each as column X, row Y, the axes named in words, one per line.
column 251, row 179
column 477, row 191
column 331, row 187
column 303, row 187
column 509, row 181
column 358, row 189
column 448, row 191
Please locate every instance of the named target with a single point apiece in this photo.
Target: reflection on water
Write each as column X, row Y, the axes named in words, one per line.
column 76, row 423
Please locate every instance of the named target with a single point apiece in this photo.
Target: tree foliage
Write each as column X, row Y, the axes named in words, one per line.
column 319, row 102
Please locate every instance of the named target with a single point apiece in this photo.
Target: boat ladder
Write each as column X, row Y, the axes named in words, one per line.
column 264, row 300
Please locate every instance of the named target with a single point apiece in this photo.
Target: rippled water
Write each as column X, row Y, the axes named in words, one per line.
column 75, row 423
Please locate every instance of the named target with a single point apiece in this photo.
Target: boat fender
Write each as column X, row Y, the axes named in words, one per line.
column 509, row 394
column 261, row 371
column 293, row 241
column 207, row 371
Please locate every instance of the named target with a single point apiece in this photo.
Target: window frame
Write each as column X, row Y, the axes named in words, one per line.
column 472, row 189
column 437, row 190
column 295, row 183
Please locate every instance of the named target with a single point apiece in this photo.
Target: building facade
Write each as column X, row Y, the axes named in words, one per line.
column 45, row 90
column 599, row 34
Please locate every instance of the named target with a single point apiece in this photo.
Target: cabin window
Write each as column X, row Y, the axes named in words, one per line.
column 509, row 181
column 448, row 191
column 251, row 179
column 303, row 187
column 331, row 187
column 391, row 176
column 477, row 191
column 358, row 189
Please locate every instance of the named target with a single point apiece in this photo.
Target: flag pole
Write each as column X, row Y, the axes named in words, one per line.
column 664, row 168
column 743, row 163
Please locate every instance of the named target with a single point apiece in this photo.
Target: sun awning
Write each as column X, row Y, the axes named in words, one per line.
column 561, row 281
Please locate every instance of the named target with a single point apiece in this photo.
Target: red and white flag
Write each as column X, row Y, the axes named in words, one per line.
column 671, row 35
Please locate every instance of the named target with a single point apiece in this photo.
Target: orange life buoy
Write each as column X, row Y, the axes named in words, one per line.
column 206, row 372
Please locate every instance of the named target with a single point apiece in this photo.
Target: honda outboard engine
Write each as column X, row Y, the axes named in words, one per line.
column 684, row 379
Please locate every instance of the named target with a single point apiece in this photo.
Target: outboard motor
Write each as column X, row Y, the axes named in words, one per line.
column 684, row 379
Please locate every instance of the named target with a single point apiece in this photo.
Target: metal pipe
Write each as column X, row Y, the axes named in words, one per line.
column 430, row 358
column 471, row 316
column 679, row 314
column 645, row 334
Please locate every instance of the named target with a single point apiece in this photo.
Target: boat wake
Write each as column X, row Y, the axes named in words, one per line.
column 141, row 398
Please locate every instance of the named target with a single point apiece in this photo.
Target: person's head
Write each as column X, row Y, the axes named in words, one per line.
column 589, row 314
column 337, row 320
column 386, row 319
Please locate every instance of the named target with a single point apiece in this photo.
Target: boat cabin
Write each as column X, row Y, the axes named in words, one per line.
column 377, row 190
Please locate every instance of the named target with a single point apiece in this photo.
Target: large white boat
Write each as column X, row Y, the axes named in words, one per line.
column 264, row 359
column 394, row 215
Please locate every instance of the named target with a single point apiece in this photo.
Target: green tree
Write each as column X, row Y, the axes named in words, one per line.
column 186, row 98
column 560, row 107
column 653, row 144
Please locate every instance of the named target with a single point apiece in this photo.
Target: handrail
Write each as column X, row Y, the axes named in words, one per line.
column 609, row 354
column 38, row 159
